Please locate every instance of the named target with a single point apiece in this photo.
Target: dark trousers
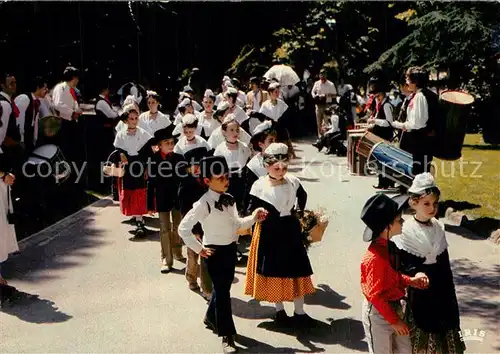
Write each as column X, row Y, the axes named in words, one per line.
column 221, row 266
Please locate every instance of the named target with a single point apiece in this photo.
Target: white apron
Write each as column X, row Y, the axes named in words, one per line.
column 8, row 240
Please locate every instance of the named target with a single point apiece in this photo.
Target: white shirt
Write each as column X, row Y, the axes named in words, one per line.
column 22, row 102
column 184, row 146
column 106, row 108
column 242, row 99
column 46, row 106
column 274, row 111
column 325, row 88
column 257, row 97
column 217, row 137
column 64, row 101
column 131, row 143
column 236, row 159
column 335, row 124
column 152, row 125
column 6, row 111
column 387, row 122
column 219, row 227
column 418, row 114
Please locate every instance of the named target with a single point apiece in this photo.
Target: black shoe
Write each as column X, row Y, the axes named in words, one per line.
column 303, row 321
column 140, row 230
column 228, row 345
column 209, row 325
column 318, row 145
column 282, row 318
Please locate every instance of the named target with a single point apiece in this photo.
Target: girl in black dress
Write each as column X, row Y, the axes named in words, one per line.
column 278, row 267
column 433, row 312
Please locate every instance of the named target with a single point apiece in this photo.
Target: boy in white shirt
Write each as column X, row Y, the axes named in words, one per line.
column 216, row 211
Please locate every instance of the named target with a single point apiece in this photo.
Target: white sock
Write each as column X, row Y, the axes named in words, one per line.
column 280, row 306
column 139, row 218
column 299, row 305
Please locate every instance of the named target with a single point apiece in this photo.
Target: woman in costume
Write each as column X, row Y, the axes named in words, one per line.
column 134, row 148
column 278, row 267
column 276, row 110
column 153, row 120
column 207, row 121
column 433, row 314
column 237, row 155
column 263, row 136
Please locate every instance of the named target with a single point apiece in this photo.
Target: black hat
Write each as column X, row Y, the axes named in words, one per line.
column 213, row 165
column 194, row 156
column 164, row 134
column 379, row 212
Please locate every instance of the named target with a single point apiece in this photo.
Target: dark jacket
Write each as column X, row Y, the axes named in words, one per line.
column 164, row 179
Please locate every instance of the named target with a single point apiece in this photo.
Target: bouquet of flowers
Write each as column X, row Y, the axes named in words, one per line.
column 314, row 225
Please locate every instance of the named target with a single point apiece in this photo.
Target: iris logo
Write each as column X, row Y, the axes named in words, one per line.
column 472, row 335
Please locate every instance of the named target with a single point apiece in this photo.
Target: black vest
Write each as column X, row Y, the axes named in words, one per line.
column 12, row 129
column 383, row 132
column 29, row 127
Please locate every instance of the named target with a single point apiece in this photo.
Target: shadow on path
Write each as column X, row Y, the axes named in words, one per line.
column 32, row 309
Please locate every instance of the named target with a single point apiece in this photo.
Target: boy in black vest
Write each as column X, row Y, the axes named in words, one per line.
column 165, row 170
column 381, row 123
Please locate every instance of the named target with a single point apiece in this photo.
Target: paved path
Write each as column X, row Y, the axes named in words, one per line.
column 99, row 292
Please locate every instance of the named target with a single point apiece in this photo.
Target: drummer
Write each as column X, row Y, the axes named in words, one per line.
column 417, row 129
column 380, row 123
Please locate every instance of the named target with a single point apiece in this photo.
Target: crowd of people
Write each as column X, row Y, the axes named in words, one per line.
column 217, row 170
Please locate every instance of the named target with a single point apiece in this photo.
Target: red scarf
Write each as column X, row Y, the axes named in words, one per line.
column 412, row 97
column 15, row 109
column 164, row 155
column 105, row 98
column 73, row 93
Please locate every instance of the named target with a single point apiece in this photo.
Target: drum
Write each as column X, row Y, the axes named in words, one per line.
column 48, row 161
column 451, row 128
column 367, row 142
column 392, row 162
column 355, row 161
column 49, row 126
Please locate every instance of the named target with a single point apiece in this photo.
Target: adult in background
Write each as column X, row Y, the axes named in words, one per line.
column 66, row 104
column 29, row 112
column 256, row 96
column 323, row 93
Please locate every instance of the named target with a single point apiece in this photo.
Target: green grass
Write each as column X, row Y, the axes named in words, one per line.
column 475, row 178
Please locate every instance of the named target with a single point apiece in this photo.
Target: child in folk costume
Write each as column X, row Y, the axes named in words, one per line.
column 217, row 136
column 381, row 123
column 166, row 169
column 134, row 147
column 276, row 110
column 236, row 154
column 207, row 121
column 433, row 312
column 191, row 189
column 216, row 211
column 382, row 286
column 278, row 268
column 190, row 140
column 153, row 120
column 263, row 136
column 231, row 97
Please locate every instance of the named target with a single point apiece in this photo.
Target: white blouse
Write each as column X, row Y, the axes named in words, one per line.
column 208, row 124
column 256, row 165
column 417, row 113
column 236, row 159
column 131, row 143
column 273, row 111
column 283, row 197
column 239, row 114
column 152, row 125
column 217, row 137
column 184, row 146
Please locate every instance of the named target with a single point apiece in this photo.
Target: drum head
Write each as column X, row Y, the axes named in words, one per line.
column 49, row 126
column 457, row 97
column 48, row 151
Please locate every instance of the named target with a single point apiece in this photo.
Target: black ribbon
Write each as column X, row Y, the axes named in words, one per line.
column 225, row 199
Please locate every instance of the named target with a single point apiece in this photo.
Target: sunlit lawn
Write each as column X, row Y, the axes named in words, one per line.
column 475, row 178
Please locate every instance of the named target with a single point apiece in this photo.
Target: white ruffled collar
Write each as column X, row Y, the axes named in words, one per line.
column 256, row 165
column 424, row 241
